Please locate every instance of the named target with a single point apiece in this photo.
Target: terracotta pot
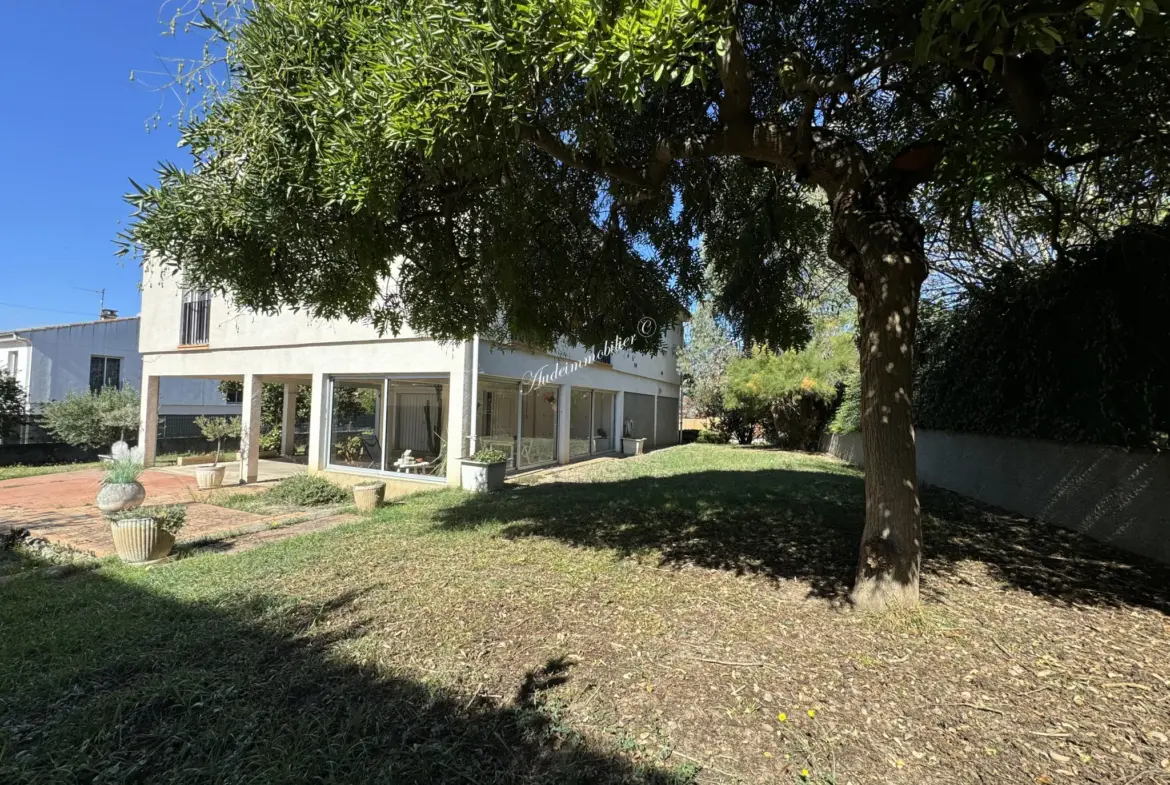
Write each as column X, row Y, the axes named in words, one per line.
column 140, row 540
column 368, row 496
column 115, row 497
column 208, row 477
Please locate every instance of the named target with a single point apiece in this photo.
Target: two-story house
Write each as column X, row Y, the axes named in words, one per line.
column 407, row 408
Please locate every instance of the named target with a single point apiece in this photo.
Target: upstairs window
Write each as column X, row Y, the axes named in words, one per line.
column 104, row 372
column 195, row 322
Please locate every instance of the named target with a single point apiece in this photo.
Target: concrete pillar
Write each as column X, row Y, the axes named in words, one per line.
column 564, row 406
column 288, row 420
column 148, row 420
column 318, row 423
column 459, row 412
column 619, row 417
column 250, row 429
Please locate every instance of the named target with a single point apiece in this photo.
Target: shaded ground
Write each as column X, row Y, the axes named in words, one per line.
column 626, row 622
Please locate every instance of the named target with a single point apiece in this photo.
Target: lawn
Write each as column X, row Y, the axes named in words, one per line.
column 17, row 471
column 671, row 618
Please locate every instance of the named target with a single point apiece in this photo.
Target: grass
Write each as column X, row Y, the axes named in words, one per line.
column 18, row 471
column 300, row 491
column 638, row 621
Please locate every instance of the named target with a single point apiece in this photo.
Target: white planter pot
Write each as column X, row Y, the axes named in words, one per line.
column 121, row 496
column 208, row 477
column 480, row 477
column 633, row 446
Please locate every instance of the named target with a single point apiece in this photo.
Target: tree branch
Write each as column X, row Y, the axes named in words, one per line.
column 735, row 107
column 846, row 81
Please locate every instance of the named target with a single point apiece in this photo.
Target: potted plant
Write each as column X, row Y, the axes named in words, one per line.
column 215, row 429
column 368, row 496
column 120, row 487
column 485, row 470
column 146, row 534
column 630, row 445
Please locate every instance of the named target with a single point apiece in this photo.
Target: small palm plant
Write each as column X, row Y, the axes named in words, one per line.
column 216, row 429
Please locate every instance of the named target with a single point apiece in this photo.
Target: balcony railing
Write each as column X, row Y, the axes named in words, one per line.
column 195, row 324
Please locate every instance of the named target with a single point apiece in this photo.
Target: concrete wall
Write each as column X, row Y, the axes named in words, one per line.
column 1108, row 493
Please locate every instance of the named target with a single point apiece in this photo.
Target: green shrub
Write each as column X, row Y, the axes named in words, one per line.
column 270, row 442
column 216, row 429
column 710, row 437
column 93, row 420
column 169, row 517
column 847, row 418
column 307, row 490
column 122, row 472
column 490, row 455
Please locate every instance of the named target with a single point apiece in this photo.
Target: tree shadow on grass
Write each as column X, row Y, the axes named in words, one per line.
column 101, row 682
column 788, row 524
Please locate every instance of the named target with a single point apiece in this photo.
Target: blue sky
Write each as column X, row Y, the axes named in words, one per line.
column 72, row 126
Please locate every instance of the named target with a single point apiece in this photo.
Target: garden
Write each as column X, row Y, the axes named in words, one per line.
column 678, row 617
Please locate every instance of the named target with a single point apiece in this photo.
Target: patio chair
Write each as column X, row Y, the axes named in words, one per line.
column 373, row 449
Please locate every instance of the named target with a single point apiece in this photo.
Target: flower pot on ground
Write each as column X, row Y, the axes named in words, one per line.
column 633, row 446
column 368, row 496
column 208, row 477
column 120, row 487
column 215, row 429
column 485, row 470
column 146, row 534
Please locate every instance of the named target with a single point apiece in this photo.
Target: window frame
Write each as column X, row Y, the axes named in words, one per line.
column 105, row 376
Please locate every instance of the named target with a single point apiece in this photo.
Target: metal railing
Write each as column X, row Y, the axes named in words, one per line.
column 195, row 325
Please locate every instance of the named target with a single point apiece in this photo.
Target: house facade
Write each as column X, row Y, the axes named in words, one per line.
column 407, row 408
column 52, row 361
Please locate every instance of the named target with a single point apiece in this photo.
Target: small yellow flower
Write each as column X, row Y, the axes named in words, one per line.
column 812, row 712
column 782, row 717
column 899, row 763
column 804, row 773
column 787, row 756
column 767, row 754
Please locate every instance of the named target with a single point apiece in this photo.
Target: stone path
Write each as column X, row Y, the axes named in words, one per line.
column 59, row 508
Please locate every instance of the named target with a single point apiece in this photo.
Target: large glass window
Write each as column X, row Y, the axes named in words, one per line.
column 497, row 417
column 538, row 426
column 392, row 425
column 590, row 422
column 580, row 418
column 353, row 430
column 416, row 428
column 603, row 436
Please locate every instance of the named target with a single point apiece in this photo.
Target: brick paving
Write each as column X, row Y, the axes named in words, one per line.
column 60, row 509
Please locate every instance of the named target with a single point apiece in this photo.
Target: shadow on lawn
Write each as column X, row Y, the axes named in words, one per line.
column 807, row 526
column 124, row 686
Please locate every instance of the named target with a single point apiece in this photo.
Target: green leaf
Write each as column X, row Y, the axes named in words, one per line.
column 624, row 56
column 658, row 72
column 721, row 46
column 690, row 76
column 989, row 64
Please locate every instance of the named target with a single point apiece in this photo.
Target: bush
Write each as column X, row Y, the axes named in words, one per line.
column 122, row 472
column 490, row 455
column 710, row 437
column 270, row 441
column 847, row 418
column 689, row 435
column 1071, row 351
column 307, row 490
column 169, row 517
column 89, row 420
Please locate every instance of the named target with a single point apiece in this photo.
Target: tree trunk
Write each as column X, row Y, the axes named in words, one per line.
column 884, row 255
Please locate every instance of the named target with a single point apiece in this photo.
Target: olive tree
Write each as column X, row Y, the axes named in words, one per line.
column 545, row 168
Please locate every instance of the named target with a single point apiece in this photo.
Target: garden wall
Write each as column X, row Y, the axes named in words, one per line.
column 1113, row 495
column 55, row 452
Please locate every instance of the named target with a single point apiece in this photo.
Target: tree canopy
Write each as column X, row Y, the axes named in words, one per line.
column 545, row 168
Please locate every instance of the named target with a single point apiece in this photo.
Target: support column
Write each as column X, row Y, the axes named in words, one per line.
column 459, row 413
column 619, row 418
column 564, row 410
column 148, row 420
column 318, row 424
column 654, row 433
column 250, row 429
column 288, row 420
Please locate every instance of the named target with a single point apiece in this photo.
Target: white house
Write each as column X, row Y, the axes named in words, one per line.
column 49, row 362
column 407, row 408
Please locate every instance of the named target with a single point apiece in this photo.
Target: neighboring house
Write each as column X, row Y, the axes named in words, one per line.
column 403, row 407
column 49, row 362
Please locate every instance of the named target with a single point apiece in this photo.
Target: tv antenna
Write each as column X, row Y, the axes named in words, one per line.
column 101, row 294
